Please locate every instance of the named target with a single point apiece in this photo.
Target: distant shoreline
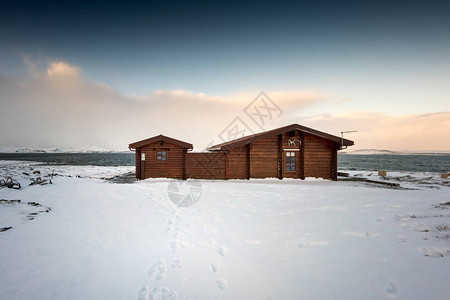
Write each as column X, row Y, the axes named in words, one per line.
column 61, row 151
column 345, row 152
column 55, row 150
column 424, row 162
column 389, row 152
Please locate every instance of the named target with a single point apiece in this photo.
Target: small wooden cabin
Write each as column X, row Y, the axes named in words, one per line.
column 292, row 151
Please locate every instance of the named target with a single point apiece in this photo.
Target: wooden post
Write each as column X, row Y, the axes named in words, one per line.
column 141, row 166
column 280, row 156
column 248, row 160
column 334, row 161
column 302, row 156
column 226, row 166
column 138, row 164
column 184, row 163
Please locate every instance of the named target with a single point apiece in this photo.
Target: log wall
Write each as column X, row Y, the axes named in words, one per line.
column 264, row 158
column 237, row 163
column 170, row 168
column 208, row 165
column 314, row 157
column 318, row 157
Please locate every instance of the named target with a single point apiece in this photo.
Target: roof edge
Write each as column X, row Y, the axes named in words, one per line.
column 255, row 137
column 160, row 138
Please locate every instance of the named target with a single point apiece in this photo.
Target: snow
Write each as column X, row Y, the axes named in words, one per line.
column 411, row 180
column 256, row 239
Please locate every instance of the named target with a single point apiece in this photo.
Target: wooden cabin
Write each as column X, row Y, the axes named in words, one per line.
column 161, row 156
column 292, row 151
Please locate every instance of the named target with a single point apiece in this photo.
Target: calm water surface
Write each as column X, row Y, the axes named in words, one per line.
column 412, row 163
column 79, row 159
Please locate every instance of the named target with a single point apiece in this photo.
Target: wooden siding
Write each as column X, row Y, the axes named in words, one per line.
column 170, row 168
column 237, row 163
column 264, row 158
column 318, row 157
column 207, row 165
column 257, row 156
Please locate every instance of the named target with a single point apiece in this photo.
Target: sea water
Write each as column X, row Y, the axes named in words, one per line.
column 438, row 163
column 78, row 159
column 411, row 163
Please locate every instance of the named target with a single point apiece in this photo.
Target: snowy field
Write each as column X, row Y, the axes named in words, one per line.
column 84, row 237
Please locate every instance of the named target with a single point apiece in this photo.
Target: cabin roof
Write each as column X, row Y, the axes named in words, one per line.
column 160, row 138
column 255, row 137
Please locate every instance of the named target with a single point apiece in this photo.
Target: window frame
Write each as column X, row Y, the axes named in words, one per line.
column 290, row 155
column 165, row 156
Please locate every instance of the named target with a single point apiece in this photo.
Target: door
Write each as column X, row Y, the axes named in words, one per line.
column 291, row 163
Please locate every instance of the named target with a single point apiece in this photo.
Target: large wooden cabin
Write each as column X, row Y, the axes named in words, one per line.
column 292, row 151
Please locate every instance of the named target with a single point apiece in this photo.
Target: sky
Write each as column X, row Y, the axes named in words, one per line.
column 85, row 75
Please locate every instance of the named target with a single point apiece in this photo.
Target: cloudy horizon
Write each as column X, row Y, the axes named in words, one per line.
column 75, row 76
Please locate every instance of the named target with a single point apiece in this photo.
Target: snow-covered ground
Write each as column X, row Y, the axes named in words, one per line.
column 89, row 238
column 407, row 180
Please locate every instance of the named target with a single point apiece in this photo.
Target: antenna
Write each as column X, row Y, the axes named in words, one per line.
column 342, row 138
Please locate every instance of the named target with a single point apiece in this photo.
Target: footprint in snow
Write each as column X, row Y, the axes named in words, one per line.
column 222, row 284
column 157, row 293
column 159, row 269
column 175, row 245
column 162, row 293
column 215, row 266
column 387, row 287
column 143, row 293
column 392, row 289
column 178, row 263
column 222, row 250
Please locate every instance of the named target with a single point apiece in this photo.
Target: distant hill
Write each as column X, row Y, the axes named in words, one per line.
column 92, row 149
column 370, row 152
column 390, row 152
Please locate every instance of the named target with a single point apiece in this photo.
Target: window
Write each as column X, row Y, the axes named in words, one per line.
column 290, row 161
column 161, row 155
